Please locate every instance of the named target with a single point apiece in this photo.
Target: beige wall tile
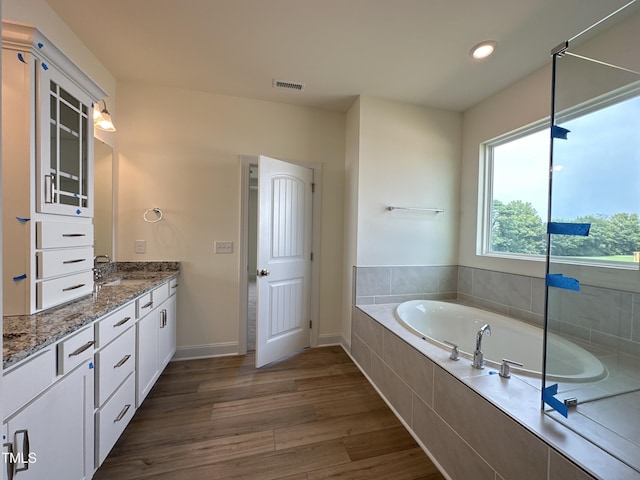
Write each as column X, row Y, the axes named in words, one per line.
column 369, row 331
column 361, row 353
column 562, row 469
column 412, row 366
column 393, row 388
column 506, row 446
column 453, row 454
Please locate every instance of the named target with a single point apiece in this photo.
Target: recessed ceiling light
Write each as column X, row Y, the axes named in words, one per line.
column 483, row 49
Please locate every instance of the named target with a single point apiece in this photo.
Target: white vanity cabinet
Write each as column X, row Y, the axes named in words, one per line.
column 51, row 435
column 156, row 336
column 115, row 392
column 47, row 172
column 66, row 405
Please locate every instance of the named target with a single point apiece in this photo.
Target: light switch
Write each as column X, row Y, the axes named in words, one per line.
column 223, row 247
column 141, row 246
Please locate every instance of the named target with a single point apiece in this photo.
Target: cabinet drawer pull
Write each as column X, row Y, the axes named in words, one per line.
column 25, row 449
column 75, row 287
column 81, row 349
column 77, row 260
column 74, row 234
column 147, row 305
column 122, row 413
column 122, row 362
column 175, row 286
column 122, row 322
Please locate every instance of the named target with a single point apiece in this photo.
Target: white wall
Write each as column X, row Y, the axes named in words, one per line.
column 404, row 155
column 519, row 105
column 352, row 152
column 409, row 156
column 179, row 151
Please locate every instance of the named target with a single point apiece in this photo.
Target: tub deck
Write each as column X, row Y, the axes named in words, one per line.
column 456, row 392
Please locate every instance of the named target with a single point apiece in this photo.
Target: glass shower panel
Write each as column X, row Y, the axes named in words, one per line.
column 593, row 293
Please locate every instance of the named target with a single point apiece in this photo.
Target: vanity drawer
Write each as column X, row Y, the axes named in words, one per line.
column 63, row 289
column 144, row 304
column 173, row 286
column 114, row 324
column 75, row 350
column 113, row 417
column 63, row 234
column 114, row 363
column 23, row 382
column 160, row 294
column 53, row 263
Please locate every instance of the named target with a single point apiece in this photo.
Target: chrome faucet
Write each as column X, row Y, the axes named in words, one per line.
column 97, row 273
column 478, row 359
column 97, row 257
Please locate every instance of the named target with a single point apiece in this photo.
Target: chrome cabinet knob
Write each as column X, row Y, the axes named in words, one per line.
column 264, row 272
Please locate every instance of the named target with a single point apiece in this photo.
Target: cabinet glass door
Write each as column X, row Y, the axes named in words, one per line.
column 66, row 162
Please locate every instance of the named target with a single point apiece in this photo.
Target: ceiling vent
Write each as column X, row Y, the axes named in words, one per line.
column 288, row 85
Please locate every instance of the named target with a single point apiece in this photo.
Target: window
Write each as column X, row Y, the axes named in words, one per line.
column 596, row 180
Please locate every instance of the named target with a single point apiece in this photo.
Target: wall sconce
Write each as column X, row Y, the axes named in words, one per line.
column 102, row 118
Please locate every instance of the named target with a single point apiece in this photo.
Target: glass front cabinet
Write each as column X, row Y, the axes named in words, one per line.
column 47, row 173
column 66, row 126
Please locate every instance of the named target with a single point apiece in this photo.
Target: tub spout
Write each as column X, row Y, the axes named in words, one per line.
column 478, row 360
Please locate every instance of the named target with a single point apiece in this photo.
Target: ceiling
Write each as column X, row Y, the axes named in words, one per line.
column 414, row 51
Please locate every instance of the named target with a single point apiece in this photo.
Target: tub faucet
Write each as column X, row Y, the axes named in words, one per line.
column 478, row 360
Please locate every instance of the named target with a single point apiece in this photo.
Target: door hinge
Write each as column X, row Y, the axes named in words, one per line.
column 313, row 188
column 311, row 256
column 310, row 323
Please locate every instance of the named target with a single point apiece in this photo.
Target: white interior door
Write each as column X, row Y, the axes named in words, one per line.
column 284, row 259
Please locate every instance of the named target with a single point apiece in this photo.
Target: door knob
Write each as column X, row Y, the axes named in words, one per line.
column 264, row 272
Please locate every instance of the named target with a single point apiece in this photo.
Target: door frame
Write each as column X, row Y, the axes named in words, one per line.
column 246, row 162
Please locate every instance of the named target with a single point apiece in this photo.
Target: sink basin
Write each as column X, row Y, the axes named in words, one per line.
column 124, row 281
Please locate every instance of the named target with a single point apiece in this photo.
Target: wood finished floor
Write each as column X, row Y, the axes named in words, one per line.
column 312, row 416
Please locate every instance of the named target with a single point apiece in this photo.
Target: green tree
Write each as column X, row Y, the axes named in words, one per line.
column 517, row 228
column 608, row 236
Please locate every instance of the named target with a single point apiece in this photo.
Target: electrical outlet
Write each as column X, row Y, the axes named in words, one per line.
column 141, row 246
column 223, row 247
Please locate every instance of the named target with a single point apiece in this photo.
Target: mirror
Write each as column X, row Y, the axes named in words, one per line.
column 103, row 194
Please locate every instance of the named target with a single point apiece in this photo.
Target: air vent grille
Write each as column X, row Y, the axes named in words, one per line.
column 288, row 85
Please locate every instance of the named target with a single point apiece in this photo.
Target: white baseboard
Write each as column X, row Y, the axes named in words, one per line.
column 206, row 351
column 328, row 339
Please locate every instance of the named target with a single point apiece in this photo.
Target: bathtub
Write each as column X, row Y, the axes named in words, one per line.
column 437, row 321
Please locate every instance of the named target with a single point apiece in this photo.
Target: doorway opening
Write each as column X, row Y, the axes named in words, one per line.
column 248, row 301
column 252, row 266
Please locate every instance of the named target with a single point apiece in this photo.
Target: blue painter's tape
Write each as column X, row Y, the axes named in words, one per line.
column 90, row 365
column 45, row 66
column 78, row 212
column 20, row 277
column 579, row 229
column 560, row 281
column 40, row 45
column 548, row 397
column 21, row 58
column 559, row 132
column 22, row 219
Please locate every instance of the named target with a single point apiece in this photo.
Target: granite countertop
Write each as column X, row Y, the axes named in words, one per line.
column 24, row 335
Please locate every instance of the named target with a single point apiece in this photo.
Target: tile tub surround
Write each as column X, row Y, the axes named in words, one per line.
column 374, row 285
column 24, row 335
column 472, row 423
column 595, row 315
